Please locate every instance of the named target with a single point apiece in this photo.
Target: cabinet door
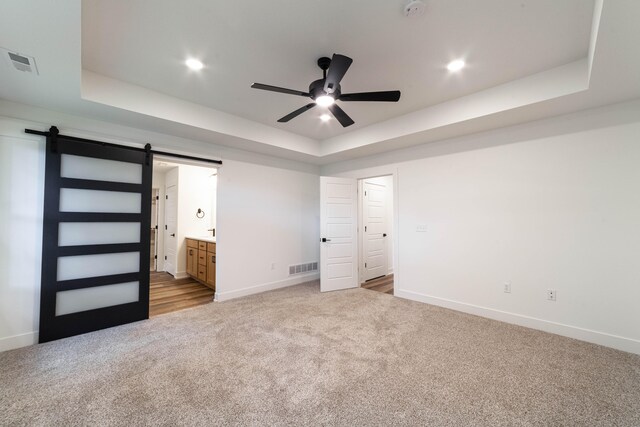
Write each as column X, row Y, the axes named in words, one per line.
column 192, row 261
column 211, row 269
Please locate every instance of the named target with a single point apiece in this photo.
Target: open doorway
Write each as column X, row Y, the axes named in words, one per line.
column 185, row 258
column 375, row 233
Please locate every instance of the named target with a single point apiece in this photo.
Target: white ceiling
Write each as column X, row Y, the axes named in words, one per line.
column 121, row 62
column 277, row 42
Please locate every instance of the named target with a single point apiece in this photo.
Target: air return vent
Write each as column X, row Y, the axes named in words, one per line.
column 303, row 268
column 21, row 62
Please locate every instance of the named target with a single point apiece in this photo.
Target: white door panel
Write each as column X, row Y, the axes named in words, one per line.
column 374, row 229
column 338, row 221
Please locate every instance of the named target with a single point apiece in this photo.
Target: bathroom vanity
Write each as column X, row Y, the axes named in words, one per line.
column 201, row 260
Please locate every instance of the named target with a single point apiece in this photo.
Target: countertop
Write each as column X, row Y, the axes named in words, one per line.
column 202, row 238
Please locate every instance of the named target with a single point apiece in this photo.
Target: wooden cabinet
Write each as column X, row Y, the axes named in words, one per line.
column 201, row 261
column 211, row 265
column 192, row 257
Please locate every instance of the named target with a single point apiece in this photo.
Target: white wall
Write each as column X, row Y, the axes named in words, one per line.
column 268, row 219
column 549, row 205
column 21, row 213
column 268, row 211
column 194, row 191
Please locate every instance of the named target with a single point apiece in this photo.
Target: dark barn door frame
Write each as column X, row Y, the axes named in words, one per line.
column 54, row 327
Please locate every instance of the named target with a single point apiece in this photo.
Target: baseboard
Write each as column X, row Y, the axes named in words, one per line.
column 17, row 341
column 614, row 341
column 181, row 275
column 296, row 280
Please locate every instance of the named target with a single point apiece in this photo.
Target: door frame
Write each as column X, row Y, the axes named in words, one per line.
column 360, row 237
column 155, row 195
column 186, row 161
column 375, row 172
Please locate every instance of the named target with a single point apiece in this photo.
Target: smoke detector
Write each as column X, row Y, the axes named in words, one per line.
column 414, row 8
column 21, row 62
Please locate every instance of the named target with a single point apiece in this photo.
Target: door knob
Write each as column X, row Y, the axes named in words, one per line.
column 384, row 234
column 324, row 240
column 172, row 234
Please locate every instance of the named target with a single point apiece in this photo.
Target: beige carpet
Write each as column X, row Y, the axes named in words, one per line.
column 298, row 357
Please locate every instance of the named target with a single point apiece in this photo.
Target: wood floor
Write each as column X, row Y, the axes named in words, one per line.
column 382, row 284
column 168, row 294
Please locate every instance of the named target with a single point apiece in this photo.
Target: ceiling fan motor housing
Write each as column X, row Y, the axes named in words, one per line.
column 316, row 89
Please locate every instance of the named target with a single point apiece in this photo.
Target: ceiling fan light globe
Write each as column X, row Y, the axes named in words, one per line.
column 325, row 101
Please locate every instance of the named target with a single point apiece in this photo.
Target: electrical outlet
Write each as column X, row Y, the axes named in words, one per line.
column 551, row 294
column 507, row 287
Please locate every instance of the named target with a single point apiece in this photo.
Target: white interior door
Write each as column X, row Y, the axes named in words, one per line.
column 171, row 224
column 374, row 233
column 338, row 222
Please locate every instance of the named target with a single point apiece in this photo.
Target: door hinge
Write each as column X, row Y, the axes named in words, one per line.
column 165, row 227
column 156, row 227
column 166, row 197
column 157, row 197
column 365, row 265
column 155, row 257
column 165, row 257
column 365, row 193
column 365, row 228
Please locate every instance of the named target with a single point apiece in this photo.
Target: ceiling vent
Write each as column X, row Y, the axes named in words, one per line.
column 20, row 62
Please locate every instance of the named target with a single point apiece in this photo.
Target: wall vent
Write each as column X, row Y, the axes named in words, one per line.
column 21, row 62
column 303, row 268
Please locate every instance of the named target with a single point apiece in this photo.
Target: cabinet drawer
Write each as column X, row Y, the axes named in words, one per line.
column 202, row 257
column 202, row 272
column 211, row 247
column 202, row 246
column 192, row 243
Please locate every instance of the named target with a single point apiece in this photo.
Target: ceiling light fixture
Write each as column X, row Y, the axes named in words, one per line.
column 325, row 117
column 194, row 64
column 325, row 100
column 456, row 65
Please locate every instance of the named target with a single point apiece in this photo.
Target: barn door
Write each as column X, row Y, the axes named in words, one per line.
column 95, row 254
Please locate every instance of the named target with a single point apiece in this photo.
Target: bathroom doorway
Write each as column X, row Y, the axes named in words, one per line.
column 185, row 238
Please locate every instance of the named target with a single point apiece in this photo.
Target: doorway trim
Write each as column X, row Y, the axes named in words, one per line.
column 390, row 243
column 375, row 172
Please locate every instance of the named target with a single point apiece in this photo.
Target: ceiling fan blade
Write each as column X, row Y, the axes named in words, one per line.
column 386, row 96
column 297, row 112
column 279, row 89
column 340, row 115
column 337, row 69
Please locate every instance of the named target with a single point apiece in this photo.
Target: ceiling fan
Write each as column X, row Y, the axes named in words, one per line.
column 327, row 90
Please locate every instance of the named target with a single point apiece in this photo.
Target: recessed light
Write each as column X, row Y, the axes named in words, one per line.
column 456, row 65
column 194, row 64
column 325, row 117
column 325, row 100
